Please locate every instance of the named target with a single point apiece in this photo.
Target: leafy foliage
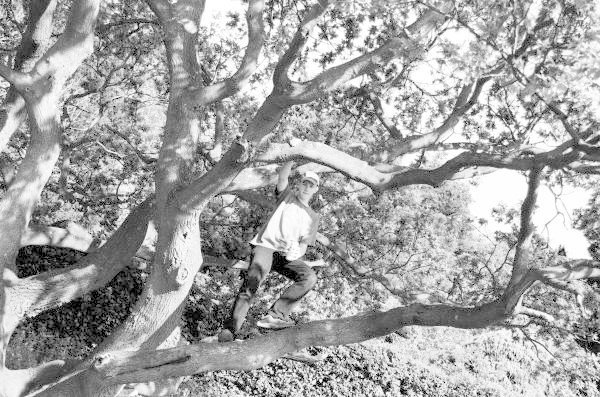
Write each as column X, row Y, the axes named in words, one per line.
column 410, row 244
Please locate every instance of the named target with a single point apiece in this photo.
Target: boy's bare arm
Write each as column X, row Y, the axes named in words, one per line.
column 284, row 175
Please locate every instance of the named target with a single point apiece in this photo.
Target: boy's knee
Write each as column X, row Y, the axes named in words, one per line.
column 253, row 282
column 311, row 279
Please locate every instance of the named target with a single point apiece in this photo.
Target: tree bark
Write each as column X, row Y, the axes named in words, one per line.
column 74, row 237
column 33, row 45
column 178, row 254
column 122, row 367
column 41, row 88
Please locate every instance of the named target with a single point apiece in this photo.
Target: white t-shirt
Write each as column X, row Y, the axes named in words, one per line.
column 291, row 222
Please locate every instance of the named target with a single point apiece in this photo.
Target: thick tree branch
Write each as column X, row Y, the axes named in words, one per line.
column 335, row 77
column 73, row 237
column 266, row 175
column 522, row 259
column 281, row 98
column 547, row 317
column 578, row 269
column 23, row 380
column 217, row 148
column 555, row 276
column 256, row 38
column 161, row 9
column 124, row 367
column 197, row 193
column 575, row 287
column 118, row 367
column 35, row 40
column 34, row 44
column 466, row 99
column 32, row 295
column 17, row 79
column 42, row 97
column 362, row 171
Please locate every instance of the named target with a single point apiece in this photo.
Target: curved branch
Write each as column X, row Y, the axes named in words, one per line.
column 266, row 175
column 280, row 75
column 256, row 38
column 34, row 44
column 336, row 76
column 21, row 381
column 217, row 149
column 42, row 98
column 231, row 85
column 465, row 101
column 17, row 79
column 362, row 171
column 74, row 237
column 32, row 295
column 555, row 276
column 578, row 269
column 124, row 367
column 410, row 143
column 522, row 259
column 280, row 100
column 527, row 227
column 547, row 317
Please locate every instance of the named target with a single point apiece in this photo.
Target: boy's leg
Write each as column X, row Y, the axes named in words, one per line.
column 304, row 278
column 260, row 265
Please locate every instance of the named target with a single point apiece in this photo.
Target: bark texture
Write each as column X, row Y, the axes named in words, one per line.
column 34, row 44
column 41, row 89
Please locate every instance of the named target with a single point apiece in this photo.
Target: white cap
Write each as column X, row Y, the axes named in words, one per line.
column 312, row 176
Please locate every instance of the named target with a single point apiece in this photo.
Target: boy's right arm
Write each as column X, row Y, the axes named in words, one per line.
column 284, row 175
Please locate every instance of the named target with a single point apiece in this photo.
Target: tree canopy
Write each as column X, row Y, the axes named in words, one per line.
column 149, row 134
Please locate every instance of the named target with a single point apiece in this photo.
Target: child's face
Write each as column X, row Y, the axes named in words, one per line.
column 307, row 189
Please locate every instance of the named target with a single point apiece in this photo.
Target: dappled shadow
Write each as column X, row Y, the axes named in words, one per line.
column 75, row 328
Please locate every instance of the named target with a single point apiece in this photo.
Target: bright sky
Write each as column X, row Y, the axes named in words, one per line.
column 552, row 218
column 218, row 8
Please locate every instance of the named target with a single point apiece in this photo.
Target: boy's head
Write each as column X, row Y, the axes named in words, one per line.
column 309, row 184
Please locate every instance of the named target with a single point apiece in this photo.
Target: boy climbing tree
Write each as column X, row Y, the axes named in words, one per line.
column 280, row 246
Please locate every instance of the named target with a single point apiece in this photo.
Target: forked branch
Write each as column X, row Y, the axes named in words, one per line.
column 231, row 85
column 280, row 75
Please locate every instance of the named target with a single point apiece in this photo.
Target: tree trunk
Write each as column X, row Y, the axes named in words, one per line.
column 41, row 90
column 33, row 45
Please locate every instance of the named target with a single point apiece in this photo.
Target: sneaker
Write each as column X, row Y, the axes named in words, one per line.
column 271, row 322
column 225, row 336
